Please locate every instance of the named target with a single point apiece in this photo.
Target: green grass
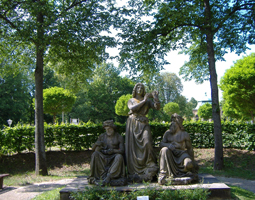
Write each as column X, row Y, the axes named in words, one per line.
column 50, row 195
column 239, row 193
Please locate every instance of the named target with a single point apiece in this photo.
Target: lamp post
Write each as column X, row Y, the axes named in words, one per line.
column 9, row 121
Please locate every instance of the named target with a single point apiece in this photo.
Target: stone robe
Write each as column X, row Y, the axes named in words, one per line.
column 101, row 163
column 172, row 162
column 140, row 156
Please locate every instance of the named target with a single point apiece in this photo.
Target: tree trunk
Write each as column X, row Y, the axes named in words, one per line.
column 218, row 146
column 40, row 156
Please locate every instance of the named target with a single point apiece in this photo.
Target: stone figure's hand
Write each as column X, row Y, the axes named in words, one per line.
column 171, row 146
column 110, row 151
column 104, row 151
column 155, row 94
column 99, row 143
column 146, row 96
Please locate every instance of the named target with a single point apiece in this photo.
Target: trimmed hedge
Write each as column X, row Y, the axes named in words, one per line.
column 80, row 137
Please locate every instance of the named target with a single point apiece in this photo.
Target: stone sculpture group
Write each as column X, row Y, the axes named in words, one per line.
column 111, row 158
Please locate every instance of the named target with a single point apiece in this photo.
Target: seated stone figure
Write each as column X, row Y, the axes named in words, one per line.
column 107, row 164
column 176, row 157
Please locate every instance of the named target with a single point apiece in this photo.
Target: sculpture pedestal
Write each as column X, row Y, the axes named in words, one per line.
column 218, row 190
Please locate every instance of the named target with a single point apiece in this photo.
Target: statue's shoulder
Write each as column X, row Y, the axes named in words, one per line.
column 185, row 134
column 168, row 132
column 132, row 100
column 101, row 136
column 119, row 136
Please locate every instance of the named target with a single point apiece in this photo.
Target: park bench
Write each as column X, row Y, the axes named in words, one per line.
column 2, row 179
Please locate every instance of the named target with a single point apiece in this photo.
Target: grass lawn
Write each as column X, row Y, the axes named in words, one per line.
column 70, row 164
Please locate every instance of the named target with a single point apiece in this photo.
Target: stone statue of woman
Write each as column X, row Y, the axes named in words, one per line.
column 140, row 156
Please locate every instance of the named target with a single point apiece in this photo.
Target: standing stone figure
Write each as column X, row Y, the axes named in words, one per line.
column 140, row 157
column 176, row 157
column 107, row 163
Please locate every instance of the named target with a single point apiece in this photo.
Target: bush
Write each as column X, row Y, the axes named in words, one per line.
column 95, row 193
column 81, row 137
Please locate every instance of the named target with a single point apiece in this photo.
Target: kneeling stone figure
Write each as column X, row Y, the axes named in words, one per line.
column 107, row 164
column 176, row 157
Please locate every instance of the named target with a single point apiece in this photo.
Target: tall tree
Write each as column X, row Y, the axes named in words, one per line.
column 66, row 31
column 210, row 28
column 238, row 88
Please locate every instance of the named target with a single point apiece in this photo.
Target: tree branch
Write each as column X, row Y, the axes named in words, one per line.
column 9, row 22
column 75, row 3
column 238, row 8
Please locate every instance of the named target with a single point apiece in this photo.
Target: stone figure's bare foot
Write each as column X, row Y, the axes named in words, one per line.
column 162, row 179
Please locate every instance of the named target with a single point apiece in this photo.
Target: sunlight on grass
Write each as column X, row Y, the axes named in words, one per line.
column 50, row 195
column 239, row 193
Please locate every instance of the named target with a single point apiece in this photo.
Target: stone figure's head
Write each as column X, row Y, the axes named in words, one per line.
column 109, row 126
column 136, row 88
column 178, row 119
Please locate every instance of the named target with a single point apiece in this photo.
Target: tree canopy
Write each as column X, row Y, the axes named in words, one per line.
column 205, row 30
column 171, row 108
column 238, row 88
column 69, row 34
column 100, row 96
column 205, row 111
column 15, row 98
column 121, row 107
column 57, row 100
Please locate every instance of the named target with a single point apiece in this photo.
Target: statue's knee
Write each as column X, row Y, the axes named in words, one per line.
column 119, row 157
column 188, row 163
column 164, row 151
column 95, row 154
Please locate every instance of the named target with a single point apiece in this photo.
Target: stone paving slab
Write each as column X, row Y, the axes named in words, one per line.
column 31, row 191
column 218, row 190
column 242, row 183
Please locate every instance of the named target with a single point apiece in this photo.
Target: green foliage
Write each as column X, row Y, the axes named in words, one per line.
column 15, row 98
column 57, row 100
column 168, row 85
column 205, row 111
column 121, row 107
column 99, row 97
column 178, row 24
column 82, row 136
column 238, row 88
column 95, row 193
column 171, row 108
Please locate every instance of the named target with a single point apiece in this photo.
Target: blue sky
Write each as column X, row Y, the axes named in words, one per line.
column 192, row 89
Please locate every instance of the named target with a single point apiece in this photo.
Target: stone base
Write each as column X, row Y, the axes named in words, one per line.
column 218, row 190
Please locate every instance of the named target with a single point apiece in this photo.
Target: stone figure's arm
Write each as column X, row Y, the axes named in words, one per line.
column 177, row 145
column 189, row 146
column 137, row 106
column 156, row 100
column 98, row 144
column 166, row 143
